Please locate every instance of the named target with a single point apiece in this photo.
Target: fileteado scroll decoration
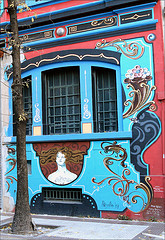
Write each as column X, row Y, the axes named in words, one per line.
column 138, row 79
column 127, row 189
column 12, row 162
column 106, row 21
column 134, row 50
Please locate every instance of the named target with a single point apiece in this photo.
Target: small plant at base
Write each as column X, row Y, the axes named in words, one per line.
column 123, row 217
column 152, row 219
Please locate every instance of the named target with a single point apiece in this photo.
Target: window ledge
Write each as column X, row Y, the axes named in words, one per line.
column 74, row 137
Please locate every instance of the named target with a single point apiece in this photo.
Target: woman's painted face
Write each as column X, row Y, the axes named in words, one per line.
column 60, row 159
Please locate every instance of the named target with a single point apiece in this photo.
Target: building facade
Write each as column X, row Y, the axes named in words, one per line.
column 94, row 91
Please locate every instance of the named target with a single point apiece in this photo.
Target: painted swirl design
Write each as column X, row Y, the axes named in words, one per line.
column 128, row 189
column 132, row 50
column 107, row 21
column 12, row 161
column 144, row 132
column 138, row 79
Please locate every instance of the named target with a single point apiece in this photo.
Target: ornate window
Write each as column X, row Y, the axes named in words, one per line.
column 104, row 100
column 73, row 99
column 61, row 101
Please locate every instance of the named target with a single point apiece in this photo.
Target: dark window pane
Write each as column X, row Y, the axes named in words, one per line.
column 70, row 110
column 106, row 94
column 56, row 81
column 100, row 107
column 104, row 100
column 51, row 111
column 50, row 101
column 106, row 106
column 57, row 111
column 76, row 90
column 63, row 91
column 64, row 111
column 70, row 100
column 63, row 101
column 100, row 95
column 57, row 101
column 106, row 85
column 66, row 100
column 57, row 91
column 70, row 90
column 69, row 79
column 51, row 92
column 51, row 83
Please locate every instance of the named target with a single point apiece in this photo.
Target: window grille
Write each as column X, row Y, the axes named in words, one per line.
column 27, row 99
column 62, row 194
column 104, row 100
column 61, row 101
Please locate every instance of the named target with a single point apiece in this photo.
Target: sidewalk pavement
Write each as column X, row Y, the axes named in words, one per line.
column 75, row 228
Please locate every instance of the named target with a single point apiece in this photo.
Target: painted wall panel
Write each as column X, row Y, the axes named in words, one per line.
column 117, row 172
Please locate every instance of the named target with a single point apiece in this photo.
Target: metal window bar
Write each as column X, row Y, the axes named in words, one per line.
column 58, row 194
column 62, row 101
column 104, row 100
column 27, row 99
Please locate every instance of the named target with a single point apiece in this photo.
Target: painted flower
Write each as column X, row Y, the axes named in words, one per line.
column 137, row 72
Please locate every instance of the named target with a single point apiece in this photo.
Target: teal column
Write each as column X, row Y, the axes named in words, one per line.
column 86, row 97
column 37, row 102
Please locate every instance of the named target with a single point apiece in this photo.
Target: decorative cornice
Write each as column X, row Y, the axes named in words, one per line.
column 69, row 55
column 92, row 36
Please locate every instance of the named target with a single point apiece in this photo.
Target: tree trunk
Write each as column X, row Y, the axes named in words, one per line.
column 22, row 221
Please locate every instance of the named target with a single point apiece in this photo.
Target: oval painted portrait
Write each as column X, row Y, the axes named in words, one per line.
column 61, row 163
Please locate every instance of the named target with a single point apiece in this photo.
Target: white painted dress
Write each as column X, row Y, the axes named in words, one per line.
column 62, row 176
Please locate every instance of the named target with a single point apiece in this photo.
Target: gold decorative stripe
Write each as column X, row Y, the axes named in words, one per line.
column 107, row 21
column 80, row 57
column 36, row 37
column 95, row 24
column 136, row 16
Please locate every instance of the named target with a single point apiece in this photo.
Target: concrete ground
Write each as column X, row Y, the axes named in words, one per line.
column 74, row 228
